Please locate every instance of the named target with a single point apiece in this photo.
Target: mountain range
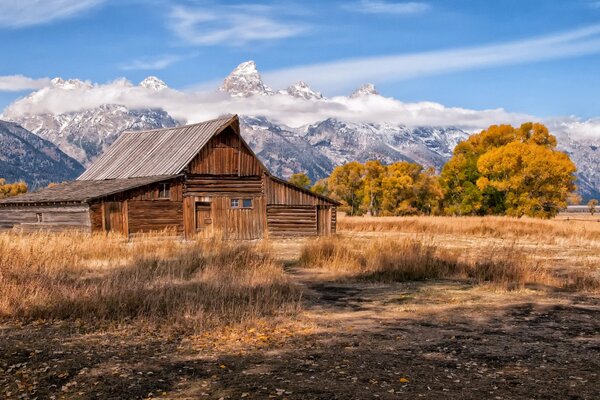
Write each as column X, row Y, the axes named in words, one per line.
column 28, row 157
column 315, row 148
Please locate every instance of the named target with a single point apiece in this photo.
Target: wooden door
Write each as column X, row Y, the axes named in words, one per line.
column 323, row 220
column 203, row 217
column 113, row 217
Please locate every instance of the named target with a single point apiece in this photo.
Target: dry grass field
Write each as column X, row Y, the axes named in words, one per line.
column 390, row 308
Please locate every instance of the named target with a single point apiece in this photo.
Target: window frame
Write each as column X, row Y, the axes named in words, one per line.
column 238, row 203
column 251, row 203
column 164, row 191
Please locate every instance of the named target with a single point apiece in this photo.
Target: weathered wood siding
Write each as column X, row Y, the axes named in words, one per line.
column 199, row 185
column 47, row 218
column 292, row 220
column 146, row 216
column 141, row 210
column 226, row 222
column 225, row 154
column 279, row 193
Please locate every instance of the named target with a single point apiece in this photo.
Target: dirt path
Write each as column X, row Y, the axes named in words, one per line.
column 433, row 340
column 364, row 341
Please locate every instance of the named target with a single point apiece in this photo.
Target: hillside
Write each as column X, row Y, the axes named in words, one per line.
column 38, row 162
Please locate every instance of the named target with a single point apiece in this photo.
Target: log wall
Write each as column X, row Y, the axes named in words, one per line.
column 292, row 220
column 147, row 216
column 200, row 185
column 279, row 193
column 47, row 218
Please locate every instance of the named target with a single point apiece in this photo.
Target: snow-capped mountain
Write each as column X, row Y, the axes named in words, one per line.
column 85, row 134
column 584, row 151
column 301, row 90
column 25, row 156
column 315, row 146
column 365, row 90
column 245, row 81
column 153, row 83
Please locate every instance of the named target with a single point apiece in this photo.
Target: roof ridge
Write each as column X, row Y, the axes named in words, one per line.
column 223, row 118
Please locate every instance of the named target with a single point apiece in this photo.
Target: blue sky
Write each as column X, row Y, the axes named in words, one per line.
column 413, row 51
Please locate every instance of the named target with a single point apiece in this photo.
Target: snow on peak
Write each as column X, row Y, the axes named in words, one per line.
column 365, row 90
column 245, row 81
column 153, row 83
column 69, row 84
column 302, row 91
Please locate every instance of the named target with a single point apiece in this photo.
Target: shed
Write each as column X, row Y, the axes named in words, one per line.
column 195, row 179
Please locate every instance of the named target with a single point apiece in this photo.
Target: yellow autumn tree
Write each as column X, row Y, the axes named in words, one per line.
column 12, row 189
column 372, row 188
column 346, row 183
column 507, row 170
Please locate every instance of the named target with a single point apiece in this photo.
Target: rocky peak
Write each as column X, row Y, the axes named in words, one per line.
column 302, row 91
column 365, row 90
column 69, row 84
column 245, row 81
column 153, row 83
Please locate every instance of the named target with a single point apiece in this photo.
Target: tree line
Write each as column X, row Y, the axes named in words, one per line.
column 502, row 170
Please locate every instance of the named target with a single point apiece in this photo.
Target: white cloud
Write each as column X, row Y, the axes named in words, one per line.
column 230, row 25
column 198, row 106
column 17, row 83
column 151, row 64
column 387, row 7
column 345, row 74
column 21, row 13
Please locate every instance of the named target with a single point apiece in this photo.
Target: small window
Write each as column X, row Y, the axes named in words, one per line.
column 235, row 203
column 247, row 203
column 164, row 191
column 39, row 217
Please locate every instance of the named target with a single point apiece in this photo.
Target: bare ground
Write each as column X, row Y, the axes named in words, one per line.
column 441, row 339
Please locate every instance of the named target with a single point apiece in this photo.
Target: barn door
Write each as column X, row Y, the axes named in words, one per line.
column 113, row 217
column 323, row 220
column 203, row 217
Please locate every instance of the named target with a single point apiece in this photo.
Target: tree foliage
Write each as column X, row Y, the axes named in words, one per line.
column 301, row 180
column 372, row 188
column 11, row 189
column 507, row 170
column 592, row 205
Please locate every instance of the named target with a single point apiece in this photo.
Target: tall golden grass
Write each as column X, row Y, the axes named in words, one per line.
column 490, row 226
column 416, row 259
column 167, row 283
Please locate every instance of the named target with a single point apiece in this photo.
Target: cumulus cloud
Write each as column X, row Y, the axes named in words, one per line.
column 387, row 7
column 21, row 13
column 201, row 105
column 17, row 83
column 344, row 74
column 231, row 25
column 575, row 127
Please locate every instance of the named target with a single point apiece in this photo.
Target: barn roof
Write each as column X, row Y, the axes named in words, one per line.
column 82, row 191
column 155, row 152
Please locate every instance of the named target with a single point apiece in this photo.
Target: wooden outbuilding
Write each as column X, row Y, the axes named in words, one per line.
column 195, row 179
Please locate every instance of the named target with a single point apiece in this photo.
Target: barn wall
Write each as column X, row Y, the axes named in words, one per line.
column 53, row 218
column 141, row 210
column 227, row 222
column 146, row 216
column 225, row 154
column 282, row 194
column 199, row 185
column 292, row 220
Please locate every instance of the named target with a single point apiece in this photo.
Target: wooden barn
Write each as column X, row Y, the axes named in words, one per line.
column 196, row 179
